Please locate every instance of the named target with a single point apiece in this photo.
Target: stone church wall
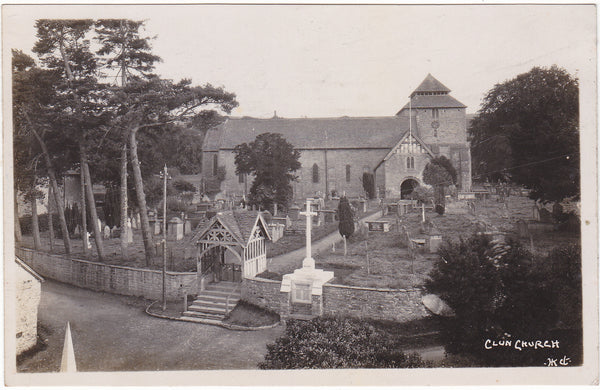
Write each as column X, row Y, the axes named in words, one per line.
column 397, row 165
column 337, row 159
column 453, row 126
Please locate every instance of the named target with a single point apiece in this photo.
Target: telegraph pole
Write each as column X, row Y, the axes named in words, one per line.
column 165, row 176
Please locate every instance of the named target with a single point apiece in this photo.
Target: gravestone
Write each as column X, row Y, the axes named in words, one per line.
column 379, row 226
column 522, row 228
column 113, row 231
column 294, row 213
column 77, row 231
column 99, row 224
column 535, row 213
column 128, row 232
column 89, row 243
column 106, row 232
column 175, row 230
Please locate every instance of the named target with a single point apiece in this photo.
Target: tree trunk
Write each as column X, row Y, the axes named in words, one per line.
column 84, row 236
column 54, row 185
column 18, row 233
column 141, row 198
column 50, row 223
column 35, row 225
column 92, row 204
column 124, row 201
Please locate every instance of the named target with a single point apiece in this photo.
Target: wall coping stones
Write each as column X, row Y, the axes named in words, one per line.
column 104, row 264
column 416, row 289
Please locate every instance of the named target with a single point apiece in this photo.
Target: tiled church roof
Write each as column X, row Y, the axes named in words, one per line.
column 430, row 84
column 312, row 133
column 433, row 101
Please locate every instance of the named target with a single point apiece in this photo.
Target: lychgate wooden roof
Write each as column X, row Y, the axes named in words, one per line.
column 239, row 223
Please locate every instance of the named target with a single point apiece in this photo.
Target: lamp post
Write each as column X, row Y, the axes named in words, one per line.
column 165, row 176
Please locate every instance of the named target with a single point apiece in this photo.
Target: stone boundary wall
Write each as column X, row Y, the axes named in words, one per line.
column 109, row 278
column 374, row 303
column 359, row 302
column 263, row 292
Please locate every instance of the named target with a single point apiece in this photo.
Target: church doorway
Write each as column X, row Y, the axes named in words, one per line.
column 407, row 187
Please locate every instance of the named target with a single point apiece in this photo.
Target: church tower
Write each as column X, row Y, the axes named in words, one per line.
column 441, row 123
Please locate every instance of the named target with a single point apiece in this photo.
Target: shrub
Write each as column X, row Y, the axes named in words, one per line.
column 498, row 292
column 327, row 342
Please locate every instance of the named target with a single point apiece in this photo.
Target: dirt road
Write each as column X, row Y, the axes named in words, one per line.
column 113, row 333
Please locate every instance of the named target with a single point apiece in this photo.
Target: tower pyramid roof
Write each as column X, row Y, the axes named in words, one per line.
column 430, row 84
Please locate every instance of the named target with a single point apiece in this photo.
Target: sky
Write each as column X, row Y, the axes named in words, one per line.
column 329, row 61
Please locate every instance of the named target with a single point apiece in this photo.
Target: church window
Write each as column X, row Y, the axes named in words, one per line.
column 410, row 162
column 348, row 173
column 215, row 164
column 435, row 113
column 315, row 173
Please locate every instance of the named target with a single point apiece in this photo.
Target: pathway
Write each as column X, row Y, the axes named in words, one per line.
column 289, row 261
column 113, row 333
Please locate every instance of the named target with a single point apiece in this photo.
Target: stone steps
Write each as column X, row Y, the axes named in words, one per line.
column 211, row 304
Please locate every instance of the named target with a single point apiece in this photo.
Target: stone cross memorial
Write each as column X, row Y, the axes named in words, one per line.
column 305, row 285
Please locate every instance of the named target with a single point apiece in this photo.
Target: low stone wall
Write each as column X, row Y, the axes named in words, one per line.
column 380, row 304
column 360, row 302
column 109, row 278
column 263, row 292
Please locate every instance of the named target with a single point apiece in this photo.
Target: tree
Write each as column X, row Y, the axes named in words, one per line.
column 125, row 50
column 439, row 173
column 528, row 130
column 155, row 105
column 496, row 293
column 33, row 92
column 272, row 161
column 368, row 182
column 346, row 217
column 63, row 47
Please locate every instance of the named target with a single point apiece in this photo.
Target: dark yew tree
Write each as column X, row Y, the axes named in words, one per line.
column 346, row 224
column 272, row 160
column 368, row 182
column 528, row 130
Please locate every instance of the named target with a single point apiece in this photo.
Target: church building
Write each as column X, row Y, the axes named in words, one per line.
column 335, row 152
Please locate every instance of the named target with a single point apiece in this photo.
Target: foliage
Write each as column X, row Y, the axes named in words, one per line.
column 182, row 185
column 497, row 292
column 272, row 161
column 368, row 182
column 422, row 193
column 336, row 343
column 528, row 130
column 439, row 173
column 346, row 217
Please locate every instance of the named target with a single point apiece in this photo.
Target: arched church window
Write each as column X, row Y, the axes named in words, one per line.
column 410, row 162
column 435, row 113
column 315, row 173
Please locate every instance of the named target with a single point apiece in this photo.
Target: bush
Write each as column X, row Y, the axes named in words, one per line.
column 498, row 292
column 327, row 342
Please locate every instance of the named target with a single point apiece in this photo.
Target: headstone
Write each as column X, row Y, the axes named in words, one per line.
column 522, row 228
column 89, row 243
column 175, row 230
column 294, row 213
column 379, row 226
column 99, row 224
column 106, row 232
column 77, row 231
column 536, row 213
column 128, row 232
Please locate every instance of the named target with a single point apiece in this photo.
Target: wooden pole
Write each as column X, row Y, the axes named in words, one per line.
column 50, row 225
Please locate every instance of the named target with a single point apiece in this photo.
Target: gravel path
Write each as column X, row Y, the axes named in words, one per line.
column 112, row 333
column 287, row 262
